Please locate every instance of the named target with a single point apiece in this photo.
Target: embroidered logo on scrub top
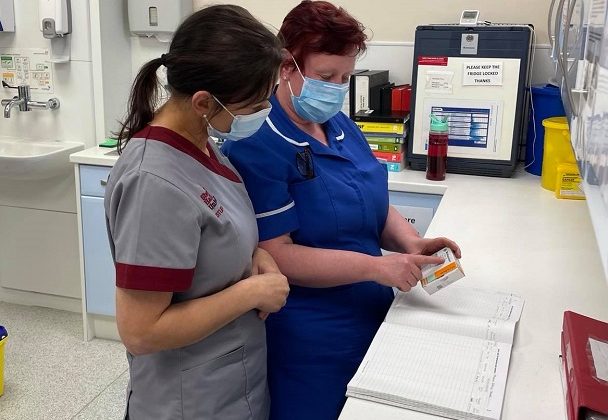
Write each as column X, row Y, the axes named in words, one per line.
column 210, row 200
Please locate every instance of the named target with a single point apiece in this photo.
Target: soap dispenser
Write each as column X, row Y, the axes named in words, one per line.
column 55, row 17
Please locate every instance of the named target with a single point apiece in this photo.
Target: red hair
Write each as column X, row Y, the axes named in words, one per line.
column 320, row 27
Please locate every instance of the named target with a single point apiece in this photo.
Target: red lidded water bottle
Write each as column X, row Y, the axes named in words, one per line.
column 437, row 154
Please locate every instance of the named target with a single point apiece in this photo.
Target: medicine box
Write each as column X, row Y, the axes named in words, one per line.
column 436, row 277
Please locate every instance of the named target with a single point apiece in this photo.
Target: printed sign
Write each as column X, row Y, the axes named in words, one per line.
column 469, row 44
column 439, row 82
column 468, row 127
column 27, row 66
column 432, row 61
column 482, row 74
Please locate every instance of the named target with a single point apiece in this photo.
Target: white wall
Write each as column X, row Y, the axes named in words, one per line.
column 112, row 70
column 145, row 49
column 73, row 81
column 396, row 20
column 397, row 57
column 392, row 34
column 38, row 239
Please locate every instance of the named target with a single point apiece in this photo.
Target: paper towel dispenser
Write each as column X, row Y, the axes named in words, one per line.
column 157, row 18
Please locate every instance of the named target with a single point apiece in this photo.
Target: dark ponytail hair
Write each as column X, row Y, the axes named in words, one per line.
column 222, row 49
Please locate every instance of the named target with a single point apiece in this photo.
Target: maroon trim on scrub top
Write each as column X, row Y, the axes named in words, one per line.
column 179, row 142
column 154, row 279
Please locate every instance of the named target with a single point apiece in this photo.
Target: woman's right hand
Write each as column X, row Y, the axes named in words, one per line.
column 401, row 270
column 269, row 291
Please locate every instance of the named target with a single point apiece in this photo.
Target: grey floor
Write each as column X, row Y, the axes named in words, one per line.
column 51, row 373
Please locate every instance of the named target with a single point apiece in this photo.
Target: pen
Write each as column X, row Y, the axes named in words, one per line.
column 305, row 164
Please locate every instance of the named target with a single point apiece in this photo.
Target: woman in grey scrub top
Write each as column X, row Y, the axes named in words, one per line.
column 193, row 289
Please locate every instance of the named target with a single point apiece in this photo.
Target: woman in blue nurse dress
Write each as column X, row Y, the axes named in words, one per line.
column 321, row 203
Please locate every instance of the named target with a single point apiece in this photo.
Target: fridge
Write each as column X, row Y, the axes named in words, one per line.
column 477, row 77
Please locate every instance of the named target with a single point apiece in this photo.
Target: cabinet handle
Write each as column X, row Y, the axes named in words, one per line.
column 103, row 182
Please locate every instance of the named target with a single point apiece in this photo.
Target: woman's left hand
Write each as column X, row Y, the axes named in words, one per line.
column 263, row 263
column 428, row 246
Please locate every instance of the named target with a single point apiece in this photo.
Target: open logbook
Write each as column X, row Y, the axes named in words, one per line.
column 446, row 354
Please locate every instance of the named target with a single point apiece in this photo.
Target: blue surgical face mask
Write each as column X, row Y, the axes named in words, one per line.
column 318, row 100
column 242, row 126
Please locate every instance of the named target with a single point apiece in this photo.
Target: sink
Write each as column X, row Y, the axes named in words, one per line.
column 30, row 160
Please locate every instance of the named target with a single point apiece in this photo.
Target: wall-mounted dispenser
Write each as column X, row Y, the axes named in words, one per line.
column 157, row 18
column 55, row 18
column 7, row 16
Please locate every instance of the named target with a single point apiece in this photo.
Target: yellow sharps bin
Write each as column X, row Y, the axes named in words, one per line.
column 557, row 150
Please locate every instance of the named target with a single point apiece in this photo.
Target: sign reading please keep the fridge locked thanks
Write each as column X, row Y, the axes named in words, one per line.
column 482, row 74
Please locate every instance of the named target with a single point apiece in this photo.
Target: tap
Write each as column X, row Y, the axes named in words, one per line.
column 23, row 101
column 11, row 103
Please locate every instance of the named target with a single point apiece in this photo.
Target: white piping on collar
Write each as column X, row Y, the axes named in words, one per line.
column 292, row 141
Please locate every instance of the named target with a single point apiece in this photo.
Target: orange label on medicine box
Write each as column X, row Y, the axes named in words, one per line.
column 451, row 266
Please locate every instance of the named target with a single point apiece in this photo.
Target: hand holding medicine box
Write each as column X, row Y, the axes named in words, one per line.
column 436, row 277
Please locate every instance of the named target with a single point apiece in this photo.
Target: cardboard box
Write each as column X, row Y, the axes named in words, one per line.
column 389, row 156
column 394, row 166
column 436, row 277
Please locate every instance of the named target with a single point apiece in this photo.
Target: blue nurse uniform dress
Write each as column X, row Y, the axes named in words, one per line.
column 332, row 197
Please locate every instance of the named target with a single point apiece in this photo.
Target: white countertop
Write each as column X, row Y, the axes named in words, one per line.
column 102, row 156
column 516, row 237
